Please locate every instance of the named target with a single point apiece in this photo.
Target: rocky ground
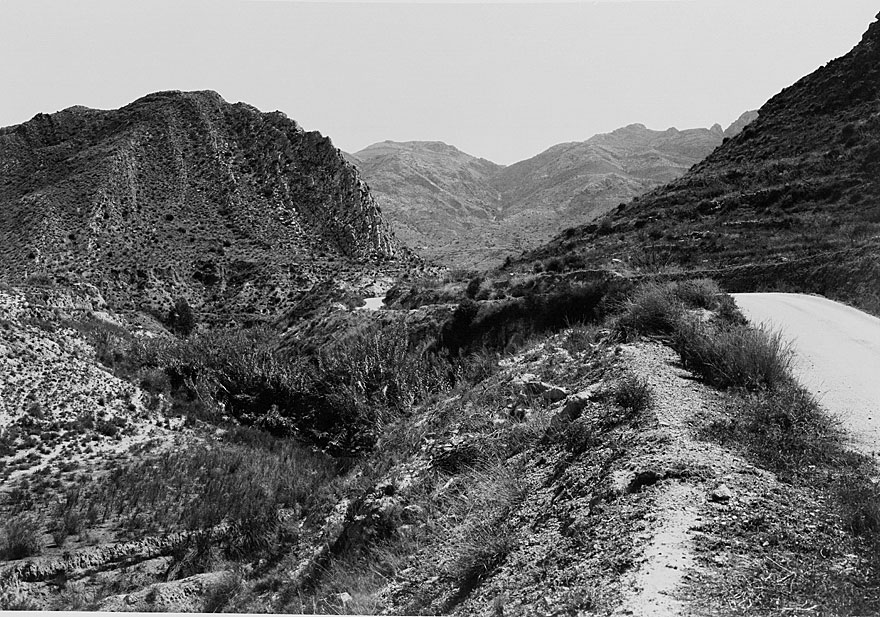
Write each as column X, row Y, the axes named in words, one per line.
column 578, row 476
column 65, row 419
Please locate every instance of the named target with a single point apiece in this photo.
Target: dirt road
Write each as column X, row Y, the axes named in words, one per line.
column 837, row 355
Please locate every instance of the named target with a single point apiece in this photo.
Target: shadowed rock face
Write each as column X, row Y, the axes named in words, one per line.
column 801, row 183
column 462, row 210
column 183, row 194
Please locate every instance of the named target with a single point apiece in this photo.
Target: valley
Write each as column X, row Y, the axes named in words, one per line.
column 243, row 371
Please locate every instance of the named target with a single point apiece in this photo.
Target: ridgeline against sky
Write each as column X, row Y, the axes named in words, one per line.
column 500, row 81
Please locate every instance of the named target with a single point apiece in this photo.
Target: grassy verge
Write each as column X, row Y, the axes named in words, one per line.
column 814, row 546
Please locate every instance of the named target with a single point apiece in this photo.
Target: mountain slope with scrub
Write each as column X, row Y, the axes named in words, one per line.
column 183, row 195
column 791, row 203
column 464, row 211
column 556, row 462
column 580, row 432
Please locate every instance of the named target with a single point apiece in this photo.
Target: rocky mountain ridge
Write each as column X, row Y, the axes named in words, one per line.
column 462, row 210
column 799, row 185
column 181, row 194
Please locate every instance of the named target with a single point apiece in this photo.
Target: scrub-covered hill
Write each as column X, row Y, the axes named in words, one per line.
column 183, row 195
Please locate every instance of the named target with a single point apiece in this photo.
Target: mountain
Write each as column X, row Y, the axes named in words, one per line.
column 740, row 123
column 183, row 195
column 582, row 180
column 462, row 210
column 432, row 193
column 791, row 202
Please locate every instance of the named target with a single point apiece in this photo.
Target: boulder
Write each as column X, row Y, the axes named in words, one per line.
column 721, row 494
column 529, row 384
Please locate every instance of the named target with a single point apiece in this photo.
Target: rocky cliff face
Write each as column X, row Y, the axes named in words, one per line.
column 462, row 210
column 801, row 183
column 183, row 194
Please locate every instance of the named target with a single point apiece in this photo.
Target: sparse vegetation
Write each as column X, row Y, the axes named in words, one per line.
column 243, row 480
column 632, row 394
column 486, row 537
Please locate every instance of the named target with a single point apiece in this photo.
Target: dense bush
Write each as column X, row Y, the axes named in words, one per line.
column 21, row 536
column 473, row 287
column 500, row 326
column 736, row 356
column 337, row 398
column 656, row 308
column 181, row 319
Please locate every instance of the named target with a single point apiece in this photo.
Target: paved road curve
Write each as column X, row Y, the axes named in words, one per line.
column 837, row 355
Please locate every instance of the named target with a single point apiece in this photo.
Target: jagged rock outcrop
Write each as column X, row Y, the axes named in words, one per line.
column 184, row 194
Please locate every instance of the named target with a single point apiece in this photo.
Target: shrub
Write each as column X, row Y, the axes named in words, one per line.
column 181, row 319
column 576, row 437
column 581, row 338
column 652, row 309
column 21, row 537
column 698, row 293
column 473, row 287
column 632, row 394
column 736, row 356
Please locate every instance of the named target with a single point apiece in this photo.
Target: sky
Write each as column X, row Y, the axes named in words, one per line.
column 499, row 80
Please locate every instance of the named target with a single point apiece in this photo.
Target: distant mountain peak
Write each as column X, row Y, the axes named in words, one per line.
column 466, row 211
column 740, row 123
column 388, row 146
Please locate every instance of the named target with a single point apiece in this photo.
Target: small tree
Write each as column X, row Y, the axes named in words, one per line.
column 473, row 287
column 181, row 318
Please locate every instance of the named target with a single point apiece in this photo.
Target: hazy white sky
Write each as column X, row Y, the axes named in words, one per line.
column 499, row 80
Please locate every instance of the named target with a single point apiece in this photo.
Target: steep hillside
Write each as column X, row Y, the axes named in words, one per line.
column 581, row 181
column 792, row 202
column 465, row 211
column 544, row 466
column 184, row 195
column 431, row 192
